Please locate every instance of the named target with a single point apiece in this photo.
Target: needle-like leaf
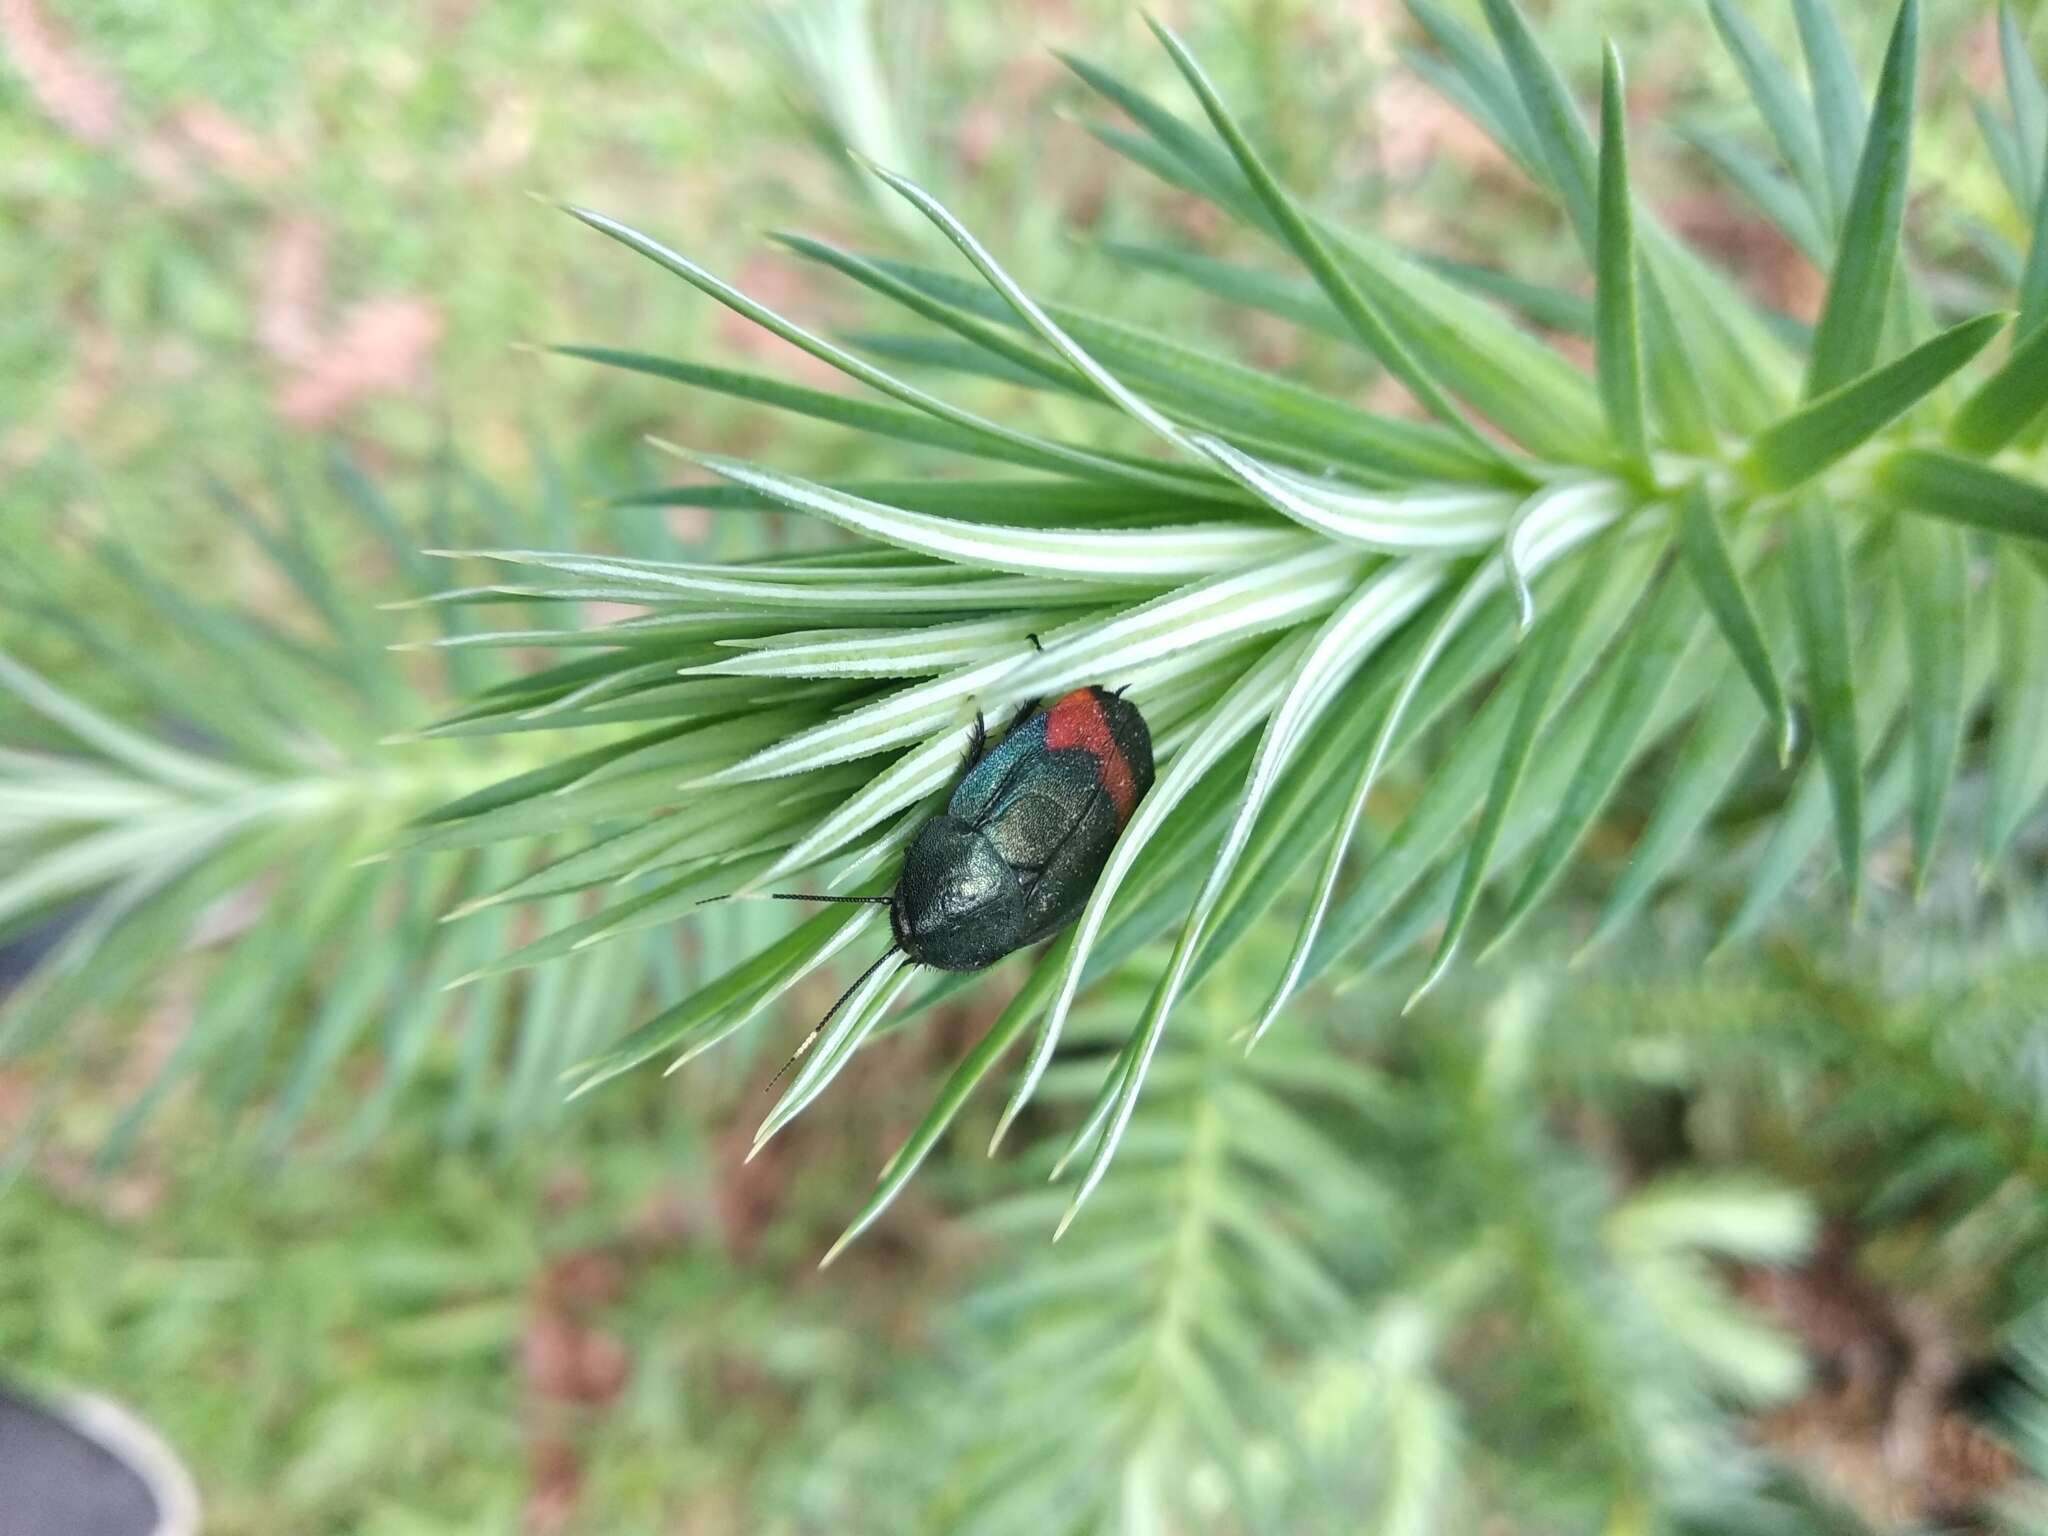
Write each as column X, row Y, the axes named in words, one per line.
column 1934, row 586
column 1820, row 610
column 1859, row 287
column 1704, row 548
column 1618, row 349
column 1828, row 428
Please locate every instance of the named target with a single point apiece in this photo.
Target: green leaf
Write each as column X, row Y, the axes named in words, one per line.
column 1551, row 308
column 1820, row 613
column 1240, row 710
column 1837, row 99
column 1078, row 460
column 1782, row 104
column 1009, row 1027
column 1661, row 642
column 1961, row 490
column 1559, row 130
column 827, row 1053
column 1012, row 499
column 2004, row 405
column 1161, row 555
column 1195, row 386
column 739, row 992
column 2005, row 150
column 1934, row 584
column 2033, row 291
column 1802, row 824
column 1774, row 197
column 1617, row 344
column 1704, row 548
column 866, row 416
column 2019, row 751
column 1209, row 169
column 1535, row 678
column 2024, row 90
column 1307, row 245
column 1490, row 95
column 1830, row 426
column 1457, row 784
column 1852, row 319
column 1714, row 755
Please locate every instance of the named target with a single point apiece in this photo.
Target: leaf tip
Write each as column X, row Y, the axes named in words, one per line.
column 844, row 1241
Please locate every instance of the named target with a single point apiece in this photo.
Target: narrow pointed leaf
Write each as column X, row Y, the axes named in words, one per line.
column 1662, row 641
column 1308, row 245
column 1538, row 671
column 1800, row 829
column 2005, row 404
column 1493, row 99
column 1781, row 103
column 1837, row 98
column 1559, row 130
column 1961, row 490
column 2023, row 88
column 1161, row 554
column 1715, row 752
column 1704, row 548
column 771, row 971
column 1934, row 583
column 1078, row 460
column 1859, row 288
column 2019, row 752
column 1618, row 351
column 1830, row 426
column 2033, row 292
column 1820, row 613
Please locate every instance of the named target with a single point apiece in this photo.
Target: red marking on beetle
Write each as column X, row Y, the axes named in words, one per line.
column 1078, row 721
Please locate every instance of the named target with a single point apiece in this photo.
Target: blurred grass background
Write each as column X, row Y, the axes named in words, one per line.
column 238, row 231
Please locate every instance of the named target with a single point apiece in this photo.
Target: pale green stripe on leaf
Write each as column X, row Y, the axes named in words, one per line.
column 1158, row 555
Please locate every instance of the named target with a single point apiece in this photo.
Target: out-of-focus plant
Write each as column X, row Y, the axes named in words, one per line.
column 247, row 824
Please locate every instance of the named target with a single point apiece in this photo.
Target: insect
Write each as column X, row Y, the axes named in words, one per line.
column 1012, row 858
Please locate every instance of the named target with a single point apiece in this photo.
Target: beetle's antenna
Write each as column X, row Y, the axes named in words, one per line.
column 866, row 901
column 819, row 1028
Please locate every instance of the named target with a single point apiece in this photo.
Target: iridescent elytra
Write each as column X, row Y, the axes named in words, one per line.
column 1023, row 838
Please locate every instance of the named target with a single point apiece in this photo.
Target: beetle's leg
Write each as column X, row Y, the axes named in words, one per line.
column 1036, row 643
column 977, row 744
column 1024, row 712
